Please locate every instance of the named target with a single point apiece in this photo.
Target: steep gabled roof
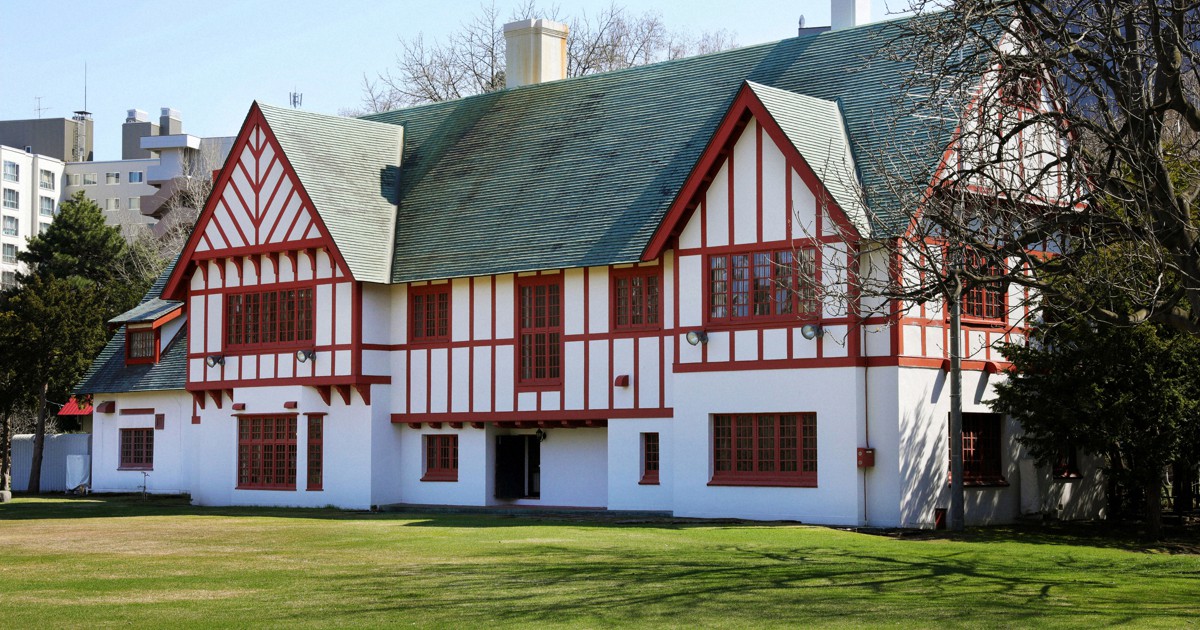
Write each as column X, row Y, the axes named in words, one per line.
column 348, row 168
column 581, row 172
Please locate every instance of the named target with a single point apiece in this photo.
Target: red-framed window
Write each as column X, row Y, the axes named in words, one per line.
column 269, row 318
column 987, row 303
column 763, row 285
column 765, row 449
column 982, row 442
column 267, row 452
column 539, row 330
column 137, row 449
column 1066, row 463
column 649, row 459
column 141, row 345
column 429, row 312
column 441, row 458
column 636, row 298
column 316, row 451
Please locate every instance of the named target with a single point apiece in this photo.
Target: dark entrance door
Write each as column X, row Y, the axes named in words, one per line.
column 518, row 467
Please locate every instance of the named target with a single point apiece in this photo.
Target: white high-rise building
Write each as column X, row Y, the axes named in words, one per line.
column 30, row 190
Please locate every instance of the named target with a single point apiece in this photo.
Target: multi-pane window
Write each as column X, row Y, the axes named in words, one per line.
column 267, row 452
column 269, row 317
column 316, row 451
column 10, row 253
column 981, row 446
column 430, row 312
column 135, row 203
column 985, row 302
column 636, row 297
column 135, row 177
column 8, row 280
column 46, row 180
column 539, row 330
column 137, row 449
column 649, row 459
column 12, row 199
column 765, row 449
column 12, row 171
column 43, row 227
column 112, row 203
column 11, row 226
column 141, row 346
column 46, row 206
column 89, row 179
column 112, row 178
column 762, row 285
column 441, row 458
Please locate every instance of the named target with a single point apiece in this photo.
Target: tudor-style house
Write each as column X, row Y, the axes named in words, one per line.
column 593, row 292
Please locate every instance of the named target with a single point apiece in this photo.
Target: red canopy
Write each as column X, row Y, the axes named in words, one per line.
column 72, row 408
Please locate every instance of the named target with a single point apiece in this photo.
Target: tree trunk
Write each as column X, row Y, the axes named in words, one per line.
column 1183, row 475
column 6, row 451
column 39, row 444
column 1153, row 491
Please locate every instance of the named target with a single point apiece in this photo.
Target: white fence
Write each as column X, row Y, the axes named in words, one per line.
column 54, row 459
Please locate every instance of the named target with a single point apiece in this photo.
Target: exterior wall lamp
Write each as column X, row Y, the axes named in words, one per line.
column 540, row 435
column 810, row 331
column 213, row 360
column 696, row 337
column 304, row 356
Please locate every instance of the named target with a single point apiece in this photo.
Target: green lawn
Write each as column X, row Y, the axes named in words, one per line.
column 118, row 561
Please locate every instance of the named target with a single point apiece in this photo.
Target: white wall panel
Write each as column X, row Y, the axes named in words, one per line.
column 745, row 186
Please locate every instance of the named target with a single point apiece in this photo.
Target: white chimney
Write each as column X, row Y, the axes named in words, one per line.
column 535, row 51
column 849, row 13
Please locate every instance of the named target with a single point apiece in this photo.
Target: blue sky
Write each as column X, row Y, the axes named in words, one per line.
column 210, row 60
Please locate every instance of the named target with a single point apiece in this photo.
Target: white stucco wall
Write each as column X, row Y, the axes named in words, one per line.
column 625, row 465
column 169, row 474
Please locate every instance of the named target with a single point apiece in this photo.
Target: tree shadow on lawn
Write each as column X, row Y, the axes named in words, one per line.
column 737, row 585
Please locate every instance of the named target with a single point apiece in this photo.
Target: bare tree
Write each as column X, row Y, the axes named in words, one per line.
column 472, row 60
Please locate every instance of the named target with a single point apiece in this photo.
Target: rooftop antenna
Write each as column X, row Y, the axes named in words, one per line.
column 295, row 98
column 39, row 109
column 85, row 86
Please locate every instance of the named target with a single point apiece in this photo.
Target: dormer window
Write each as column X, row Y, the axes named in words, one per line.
column 141, row 345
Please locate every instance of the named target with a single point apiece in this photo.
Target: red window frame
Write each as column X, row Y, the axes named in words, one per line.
column 982, row 445
column 429, row 313
column 764, row 449
column 539, row 326
column 137, row 449
column 761, row 285
column 141, row 345
column 266, row 452
column 988, row 303
column 277, row 318
column 636, row 298
column 316, row 451
column 650, row 459
column 441, row 457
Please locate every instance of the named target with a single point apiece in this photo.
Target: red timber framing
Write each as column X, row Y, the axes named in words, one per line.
column 261, row 234
column 539, row 331
column 502, row 424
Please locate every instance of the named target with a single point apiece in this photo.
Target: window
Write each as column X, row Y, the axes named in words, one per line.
column 12, row 199
column 765, row 449
column 141, row 345
column 762, row 286
column 137, row 449
column 267, row 452
column 1066, row 463
column 316, row 449
column 75, row 181
column 46, row 206
column 649, row 459
column 135, row 177
column 89, row 179
column 112, row 203
column 11, row 226
column 112, row 178
column 441, row 458
column 135, row 203
column 430, row 312
column 539, row 329
column 12, row 171
column 981, row 441
column 8, row 280
column 635, row 298
column 269, row 317
column 43, row 227
column 10, row 253
column 46, row 180
column 986, row 303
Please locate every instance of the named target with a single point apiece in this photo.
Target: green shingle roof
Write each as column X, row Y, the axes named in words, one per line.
column 147, row 311
column 348, row 167
column 109, row 374
column 581, row 172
